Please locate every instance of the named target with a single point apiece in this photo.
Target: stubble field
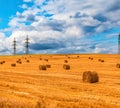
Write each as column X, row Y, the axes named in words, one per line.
column 26, row 86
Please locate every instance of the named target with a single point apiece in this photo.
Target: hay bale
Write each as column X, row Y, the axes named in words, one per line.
column 66, row 67
column 65, row 61
column 13, row 65
column 40, row 58
column 117, row 65
column 90, row 77
column 90, row 58
column 3, row 61
column 48, row 65
column 28, row 61
column 42, row 67
column 102, row 60
column 46, row 60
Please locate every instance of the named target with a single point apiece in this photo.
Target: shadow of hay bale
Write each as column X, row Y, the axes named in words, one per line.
column 90, row 77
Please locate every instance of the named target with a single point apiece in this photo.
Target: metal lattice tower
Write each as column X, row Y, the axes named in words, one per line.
column 119, row 44
column 27, row 45
column 14, row 46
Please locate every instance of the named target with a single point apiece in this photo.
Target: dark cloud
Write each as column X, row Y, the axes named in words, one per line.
column 46, row 46
column 30, row 18
column 56, row 25
column 89, row 29
column 78, row 15
column 114, row 6
column 100, row 18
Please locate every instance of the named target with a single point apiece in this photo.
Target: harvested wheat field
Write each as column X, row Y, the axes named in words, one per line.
column 55, row 81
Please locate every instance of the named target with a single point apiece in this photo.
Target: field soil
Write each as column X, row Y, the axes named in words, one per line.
column 24, row 85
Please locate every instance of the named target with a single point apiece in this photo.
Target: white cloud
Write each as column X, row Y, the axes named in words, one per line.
column 27, row 0
column 69, row 23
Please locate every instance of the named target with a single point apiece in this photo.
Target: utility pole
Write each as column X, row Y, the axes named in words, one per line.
column 119, row 43
column 27, row 45
column 14, row 46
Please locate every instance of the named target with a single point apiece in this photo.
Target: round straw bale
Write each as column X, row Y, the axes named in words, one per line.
column 90, row 77
column 117, row 65
column 46, row 59
column 3, row 61
column 65, row 61
column 66, row 67
column 102, row 60
column 28, row 61
column 42, row 67
column 40, row 58
column 13, row 65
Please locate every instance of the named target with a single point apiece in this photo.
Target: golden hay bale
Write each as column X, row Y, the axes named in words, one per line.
column 66, row 67
column 3, row 61
column 90, row 77
column 42, row 67
column 102, row 60
column 13, row 65
column 28, row 61
column 65, row 61
column 48, row 65
column 46, row 59
column 117, row 65
column 40, row 58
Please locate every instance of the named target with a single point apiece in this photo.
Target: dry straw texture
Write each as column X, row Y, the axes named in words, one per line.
column 90, row 77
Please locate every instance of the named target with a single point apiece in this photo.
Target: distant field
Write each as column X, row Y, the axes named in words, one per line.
column 24, row 85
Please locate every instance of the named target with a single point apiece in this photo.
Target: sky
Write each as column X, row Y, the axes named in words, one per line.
column 60, row 26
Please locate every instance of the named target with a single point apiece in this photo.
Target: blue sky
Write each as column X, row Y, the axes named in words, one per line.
column 59, row 26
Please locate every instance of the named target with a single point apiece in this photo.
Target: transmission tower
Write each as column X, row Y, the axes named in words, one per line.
column 27, row 45
column 119, row 44
column 14, row 46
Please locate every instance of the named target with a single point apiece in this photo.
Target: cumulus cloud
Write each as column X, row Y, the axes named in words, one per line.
column 59, row 26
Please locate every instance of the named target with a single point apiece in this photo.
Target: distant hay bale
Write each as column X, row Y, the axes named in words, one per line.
column 28, row 61
column 100, row 60
column 40, row 58
column 117, row 65
column 42, row 67
column 13, row 65
column 90, row 58
column 48, row 65
column 3, row 61
column 46, row 59
column 77, row 56
column 68, row 57
column 65, row 61
column 66, row 67
column 90, row 77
